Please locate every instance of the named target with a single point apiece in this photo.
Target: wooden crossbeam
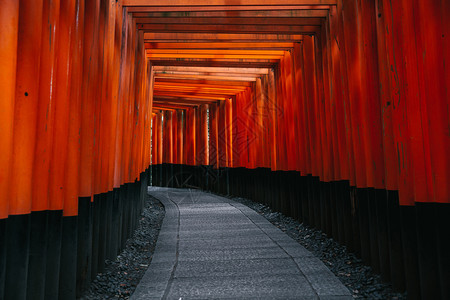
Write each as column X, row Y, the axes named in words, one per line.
column 156, row 109
column 275, row 29
column 201, row 82
column 199, row 90
column 214, row 37
column 230, row 21
column 227, row 9
column 224, row 2
column 212, row 69
column 233, row 63
column 223, row 45
column 199, row 93
column 216, row 52
column 288, row 13
column 173, row 105
column 183, row 101
column 202, row 87
column 195, row 96
column 214, row 56
column 210, row 77
column 204, row 90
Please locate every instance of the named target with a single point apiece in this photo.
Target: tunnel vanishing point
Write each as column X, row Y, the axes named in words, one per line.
column 334, row 112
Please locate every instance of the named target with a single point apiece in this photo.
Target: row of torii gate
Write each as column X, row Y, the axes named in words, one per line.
column 350, row 96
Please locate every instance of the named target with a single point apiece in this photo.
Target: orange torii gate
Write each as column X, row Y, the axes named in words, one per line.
column 334, row 112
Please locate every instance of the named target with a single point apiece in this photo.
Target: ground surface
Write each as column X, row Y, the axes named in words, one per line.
column 212, row 247
column 356, row 276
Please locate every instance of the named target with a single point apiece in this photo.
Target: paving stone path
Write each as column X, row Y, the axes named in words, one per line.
column 211, row 247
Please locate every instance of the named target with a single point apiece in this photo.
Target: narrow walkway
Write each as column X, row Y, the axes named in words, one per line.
column 212, row 247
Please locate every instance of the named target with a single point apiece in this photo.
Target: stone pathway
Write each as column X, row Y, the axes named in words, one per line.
column 211, row 247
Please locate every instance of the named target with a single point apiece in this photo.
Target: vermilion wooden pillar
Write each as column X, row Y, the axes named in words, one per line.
column 73, row 147
column 202, row 136
column 213, row 136
column 58, row 164
column 351, row 23
column 141, row 112
column 87, row 105
column 253, row 130
column 371, row 106
column 132, row 96
column 127, row 56
column 242, row 123
column 299, row 99
column 433, row 82
column 324, row 167
column 274, row 110
column 154, row 139
column 114, row 45
column 407, row 135
column 160, row 137
column 222, row 135
column 145, row 131
column 337, row 93
column 231, row 116
column 9, row 24
column 237, row 132
column 263, row 106
column 248, row 128
column 191, row 136
column 308, row 102
column 180, row 138
column 175, row 125
column 329, row 148
column 140, row 139
column 187, row 137
column 349, row 121
column 103, row 106
column 386, row 104
column 46, row 107
column 25, row 112
column 346, row 107
column 167, row 137
column 279, row 121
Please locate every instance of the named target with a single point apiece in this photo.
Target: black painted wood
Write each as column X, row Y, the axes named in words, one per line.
column 84, row 245
column 17, row 255
column 427, row 251
column 68, row 268
column 409, row 242
column 38, row 255
column 3, row 248
column 395, row 241
column 373, row 230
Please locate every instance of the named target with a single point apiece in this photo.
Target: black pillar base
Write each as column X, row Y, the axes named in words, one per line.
column 38, row 255
column 68, row 269
column 427, row 251
column 409, row 242
column 17, row 256
column 3, row 224
column 84, row 245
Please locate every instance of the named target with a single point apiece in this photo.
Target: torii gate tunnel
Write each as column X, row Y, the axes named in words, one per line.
column 334, row 112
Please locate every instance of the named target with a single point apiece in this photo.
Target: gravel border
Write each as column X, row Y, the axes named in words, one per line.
column 122, row 275
column 357, row 277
